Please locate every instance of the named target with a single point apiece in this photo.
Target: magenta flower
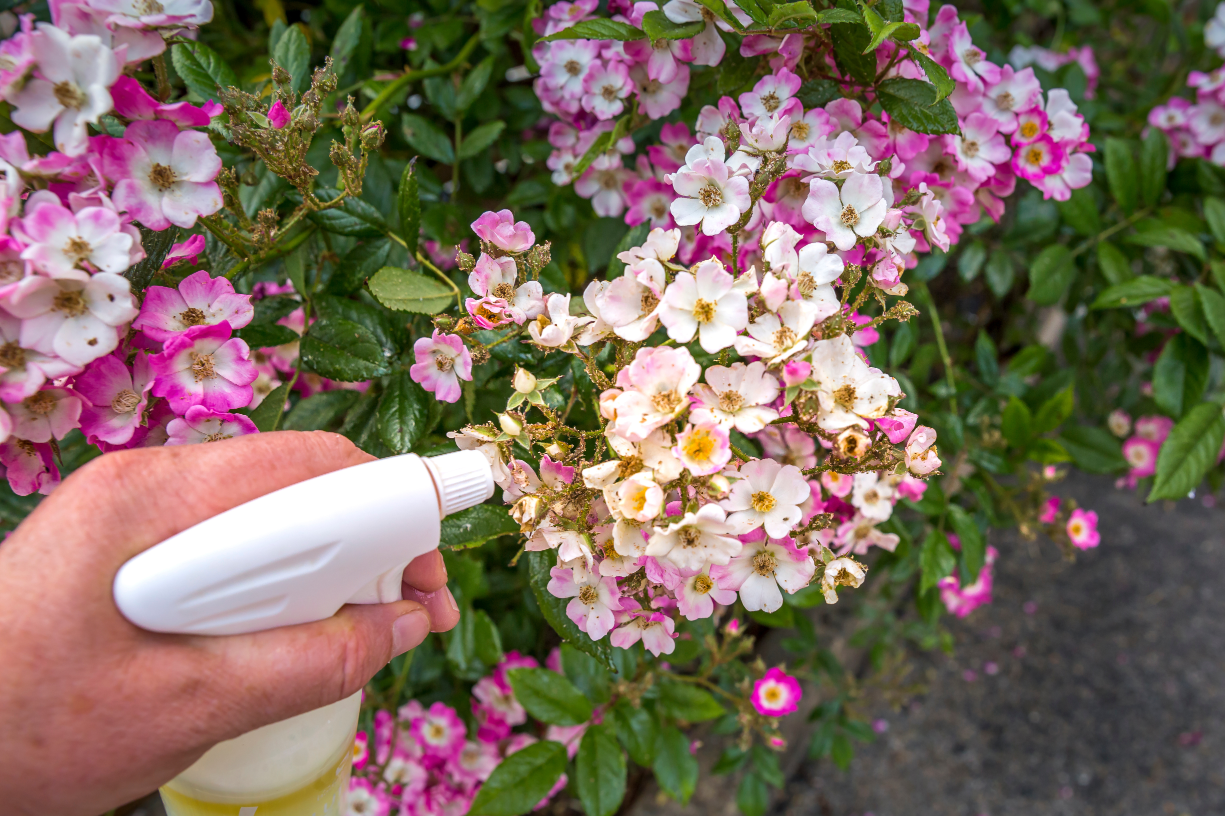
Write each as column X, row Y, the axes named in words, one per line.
column 961, row 601
column 74, row 320
column 63, row 244
column 656, row 630
column 116, row 397
column 187, row 251
column 133, row 102
column 1082, row 529
column 1050, row 509
column 45, row 415
column 30, row 467
column 278, row 117
column 204, row 366
column 440, row 732
column 199, row 424
column 1038, row 159
column 777, row 694
column 605, row 88
column 501, row 230
column 442, row 361
column 897, row 425
column 199, row 301
column 163, row 175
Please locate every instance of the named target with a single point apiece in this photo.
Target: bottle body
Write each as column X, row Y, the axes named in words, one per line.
column 297, row 767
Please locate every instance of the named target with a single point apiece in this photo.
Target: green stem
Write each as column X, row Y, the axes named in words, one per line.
column 459, row 137
column 398, row 84
column 421, row 259
column 402, row 677
column 275, row 251
column 163, row 78
column 941, row 345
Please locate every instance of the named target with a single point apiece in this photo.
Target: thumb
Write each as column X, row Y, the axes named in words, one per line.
column 266, row 677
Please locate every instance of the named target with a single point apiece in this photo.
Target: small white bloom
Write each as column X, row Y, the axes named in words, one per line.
column 696, row 541
column 760, row 569
column 705, row 303
column 873, row 496
column 849, row 390
column 779, row 337
column 737, row 396
column 768, row 493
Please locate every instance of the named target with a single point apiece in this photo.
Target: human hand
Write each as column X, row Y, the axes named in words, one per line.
column 86, row 695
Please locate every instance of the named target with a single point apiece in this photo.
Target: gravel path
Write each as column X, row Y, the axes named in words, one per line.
column 1087, row 688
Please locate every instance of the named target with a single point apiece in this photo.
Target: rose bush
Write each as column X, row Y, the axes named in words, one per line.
column 753, row 307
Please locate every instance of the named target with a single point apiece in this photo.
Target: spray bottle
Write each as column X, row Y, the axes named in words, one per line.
column 294, row 556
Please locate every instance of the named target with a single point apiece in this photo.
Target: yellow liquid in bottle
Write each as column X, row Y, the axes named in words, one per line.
column 324, row 796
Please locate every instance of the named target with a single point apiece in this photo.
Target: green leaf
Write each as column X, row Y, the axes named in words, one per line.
column 765, row 764
column 202, row 69
column 817, row 93
column 756, row 10
column 1055, row 411
column 599, row 771
column 1189, row 452
column 1121, row 174
column 1017, row 423
column 912, row 102
column 736, row 71
column 999, row 273
column 345, row 351
column 1051, row 275
column 408, row 207
column 319, row 411
column 476, row 525
column 936, row 560
column 361, row 426
column 1154, row 156
column 841, row 751
column 549, row 696
column 839, row 15
column 293, row 53
column 602, row 144
column 1093, row 449
column 524, row 778
column 354, row 216
column 554, row 610
column 1213, row 305
column 1214, row 214
column 676, row 770
column 687, row 702
column 632, row 238
column 973, row 544
column 157, row 246
column 267, row 415
column 849, row 43
column 638, row 731
column 598, row 29
column 480, row 139
column 899, row 32
column 658, row 27
column 427, row 139
column 752, row 796
column 936, row 74
column 404, row 413
column 987, row 358
column 587, row 674
column 786, row 12
column 347, row 39
column 1174, row 238
column 1080, row 212
column 1180, row 374
column 473, row 85
column 407, row 291
column 358, row 264
column 265, row 335
column 1134, row 292
column 1113, row 263
column 970, row 260
column 1187, row 310
column 488, row 640
column 720, row 10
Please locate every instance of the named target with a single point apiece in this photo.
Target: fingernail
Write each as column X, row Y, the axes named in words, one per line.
column 409, row 631
column 451, row 600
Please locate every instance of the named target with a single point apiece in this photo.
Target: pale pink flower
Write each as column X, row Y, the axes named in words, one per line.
column 839, row 158
column 838, row 484
column 1014, row 93
column 656, row 630
column 761, row 568
column 696, row 540
column 69, row 88
column 961, row 601
column 706, row 303
column 1119, row 422
column 1082, row 529
column 164, row 14
column 789, row 445
column 639, row 497
column 630, row 303
column 475, row 762
column 657, row 98
column 29, row 467
column 442, row 361
column 708, row 47
column 777, row 694
column 1030, row 125
column 24, row 370
column 970, row 64
column 71, row 319
column 979, row 147
column 1154, row 428
column 498, row 697
column 568, row 65
column 768, row 493
column 808, row 129
column 848, row 115
column 555, row 326
column 704, row 448
column 850, row 213
column 206, row 366
column 45, row 415
column 501, row 230
column 773, row 94
column 1075, row 173
column 201, row 424
column 737, row 397
column 63, row 244
column 604, row 183
column 199, row 300
column 440, row 732
column 605, row 88
column 921, row 456
column 1141, row 456
column 860, row 533
column 493, row 279
column 697, row 595
column 595, row 599
column 162, row 175
column 656, row 385
column 850, row 391
column 710, row 195
column 776, row 337
column 116, row 397
column 873, row 496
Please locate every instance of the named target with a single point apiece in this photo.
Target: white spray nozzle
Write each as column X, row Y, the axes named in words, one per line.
column 300, row 553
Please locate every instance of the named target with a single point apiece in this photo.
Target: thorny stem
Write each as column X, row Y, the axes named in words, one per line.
column 397, row 85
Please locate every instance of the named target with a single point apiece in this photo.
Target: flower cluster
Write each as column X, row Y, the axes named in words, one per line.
column 930, row 186
column 1197, row 129
column 425, row 761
